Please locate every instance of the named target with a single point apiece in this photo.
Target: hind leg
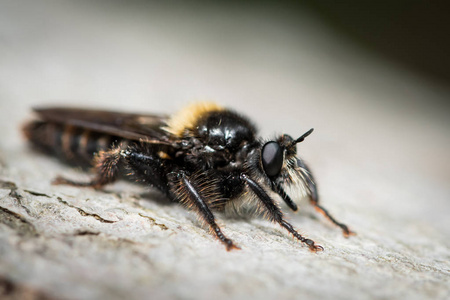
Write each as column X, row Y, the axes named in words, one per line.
column 106, row 166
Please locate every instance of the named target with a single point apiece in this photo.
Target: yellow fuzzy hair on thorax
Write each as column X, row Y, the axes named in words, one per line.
column 187, row 117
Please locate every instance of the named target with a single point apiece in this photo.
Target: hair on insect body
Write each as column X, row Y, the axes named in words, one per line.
column 205, row 156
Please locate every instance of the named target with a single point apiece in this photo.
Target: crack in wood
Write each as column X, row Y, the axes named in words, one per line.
column 17, row 222
column 36, row 193
column 84, row 213
column 8, row 185
column 15, row 194
column 86, row 232
column 153, row 222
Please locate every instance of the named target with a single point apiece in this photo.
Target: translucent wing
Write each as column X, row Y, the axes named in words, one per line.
column 141, row 127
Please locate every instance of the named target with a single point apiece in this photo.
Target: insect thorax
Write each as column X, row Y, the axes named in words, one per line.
column 218, row 138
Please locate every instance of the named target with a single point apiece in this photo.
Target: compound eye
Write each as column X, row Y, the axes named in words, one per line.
column 272, row 158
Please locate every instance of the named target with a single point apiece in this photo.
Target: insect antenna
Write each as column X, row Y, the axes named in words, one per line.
column 300, row 139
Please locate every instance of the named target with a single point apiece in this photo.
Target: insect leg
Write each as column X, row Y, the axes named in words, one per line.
column 190, row 191
column 147, row 167
column 314, row 200
column 106, row 168
column 279, row 190
column 194, row 191
column 276, row 214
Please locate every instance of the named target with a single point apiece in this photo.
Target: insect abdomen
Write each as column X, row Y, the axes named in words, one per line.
column 69, row 142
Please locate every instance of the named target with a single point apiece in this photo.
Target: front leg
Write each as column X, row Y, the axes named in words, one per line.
column 280, row 191
column 194, row 191
column 275, row 212
column 314, row 200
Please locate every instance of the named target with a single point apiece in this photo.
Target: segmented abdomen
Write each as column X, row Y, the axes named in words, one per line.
column 69, row 142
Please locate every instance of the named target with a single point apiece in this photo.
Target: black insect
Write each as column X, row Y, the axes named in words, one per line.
column 205, row 156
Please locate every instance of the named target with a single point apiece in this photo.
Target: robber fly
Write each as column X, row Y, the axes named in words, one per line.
column 205, row 156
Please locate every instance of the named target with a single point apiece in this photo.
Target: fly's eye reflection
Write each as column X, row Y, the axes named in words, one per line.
column 272, row 158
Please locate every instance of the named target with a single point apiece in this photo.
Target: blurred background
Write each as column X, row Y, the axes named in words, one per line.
column 372, row 78
column 376, row 72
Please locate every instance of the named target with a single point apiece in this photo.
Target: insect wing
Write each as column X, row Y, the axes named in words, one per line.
column 140, row 127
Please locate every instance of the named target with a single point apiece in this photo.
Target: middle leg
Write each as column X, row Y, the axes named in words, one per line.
column 194, row 191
